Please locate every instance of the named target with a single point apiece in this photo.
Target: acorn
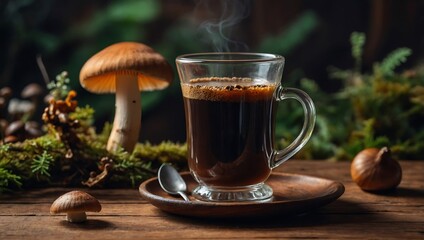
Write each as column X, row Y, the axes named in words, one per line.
column 374, row 169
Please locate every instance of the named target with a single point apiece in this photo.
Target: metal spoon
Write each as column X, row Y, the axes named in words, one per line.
column 171, row 181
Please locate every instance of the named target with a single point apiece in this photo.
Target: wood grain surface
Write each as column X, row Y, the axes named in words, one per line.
column 125, row 215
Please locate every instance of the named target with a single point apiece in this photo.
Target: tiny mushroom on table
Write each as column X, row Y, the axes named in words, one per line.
column 126, row 68
column 75, row 204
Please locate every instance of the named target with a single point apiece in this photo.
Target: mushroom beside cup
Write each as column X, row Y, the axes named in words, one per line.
column 126, row 68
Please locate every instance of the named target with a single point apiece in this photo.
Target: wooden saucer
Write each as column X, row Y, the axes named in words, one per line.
column 293, row 194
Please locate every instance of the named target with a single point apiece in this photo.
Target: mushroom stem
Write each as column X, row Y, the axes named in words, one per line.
column 76, row 217
column 126, row 125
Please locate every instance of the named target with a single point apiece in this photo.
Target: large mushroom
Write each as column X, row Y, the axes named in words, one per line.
column 75, row 204
column 126, row 68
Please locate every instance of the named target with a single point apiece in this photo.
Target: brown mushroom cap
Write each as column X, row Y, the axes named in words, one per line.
column 14, row 128
column 32, row 90
column 153, row 72
column 75, row 201
column 6, row 92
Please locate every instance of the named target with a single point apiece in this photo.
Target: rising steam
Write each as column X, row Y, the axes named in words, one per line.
column 219, row 31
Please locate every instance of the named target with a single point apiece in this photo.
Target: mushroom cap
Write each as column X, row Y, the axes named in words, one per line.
column 99, row 73
column 32, row 90
column 14, row 128
column 6, row 92
column 75, row 201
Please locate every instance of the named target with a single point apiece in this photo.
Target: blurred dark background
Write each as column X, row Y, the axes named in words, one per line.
column 311, row 34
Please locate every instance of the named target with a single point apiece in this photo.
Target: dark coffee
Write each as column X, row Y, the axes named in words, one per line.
column 230, row 130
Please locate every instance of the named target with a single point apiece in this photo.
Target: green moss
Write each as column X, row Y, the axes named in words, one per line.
column 71, row 153
column 44, row 161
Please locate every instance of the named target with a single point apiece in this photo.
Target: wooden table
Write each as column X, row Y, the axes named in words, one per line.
column 357, row 214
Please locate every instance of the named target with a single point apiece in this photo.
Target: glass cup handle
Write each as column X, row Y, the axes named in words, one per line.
column 308, row 124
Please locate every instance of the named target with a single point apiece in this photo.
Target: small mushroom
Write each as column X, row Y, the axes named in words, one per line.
column 3, row 125
column 10, row 139
column 75, row 204
column 32, row 91
column 126, row 68
column 33, row 129
column 6, row 92
column 2, row 102
column 15, row 128
column 18, row 108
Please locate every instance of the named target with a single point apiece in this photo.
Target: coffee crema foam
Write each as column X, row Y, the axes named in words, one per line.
column 228, row 89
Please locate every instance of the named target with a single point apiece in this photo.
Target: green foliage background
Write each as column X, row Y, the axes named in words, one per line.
column 381, row 108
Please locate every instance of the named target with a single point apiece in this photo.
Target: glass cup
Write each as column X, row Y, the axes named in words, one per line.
column 230, row 102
